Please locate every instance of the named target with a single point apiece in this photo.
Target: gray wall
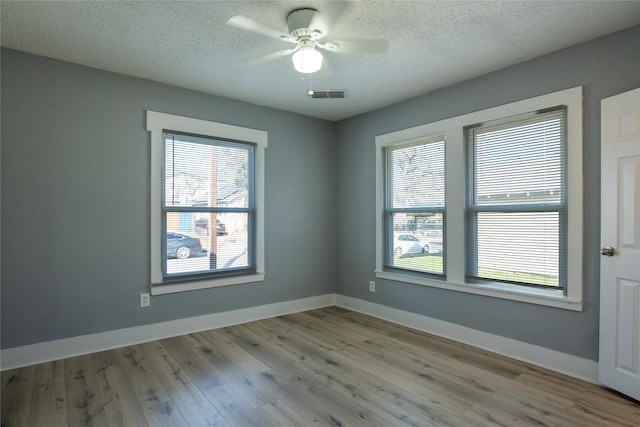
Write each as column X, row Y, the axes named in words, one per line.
column 75, row 204
column 605, row 67
column 75, row 201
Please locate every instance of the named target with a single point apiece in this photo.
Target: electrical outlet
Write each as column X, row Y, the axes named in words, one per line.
column 145, row 300
column 372, row 286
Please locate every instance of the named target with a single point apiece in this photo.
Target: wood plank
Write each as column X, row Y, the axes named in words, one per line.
column 48, row 399
column 390, row 403
column 266, row 346
column 153, row 399
column 165, row 414
column 286, row 390
column 84, row 404
column 277, row 413
column 503, row 416
column 555, row 384
column 482, row 359
column 233, row 408
column 314, row 402
column 339, row 337
column 120, row 403
column 251, row 391
column 241, row 358
column 209, row 368
column 188, row 354
column 514, row 409
column 17, row 386
column 371, row 324
column 599, row 408
column 337, row 325
column 535, row 396
column 189, row 399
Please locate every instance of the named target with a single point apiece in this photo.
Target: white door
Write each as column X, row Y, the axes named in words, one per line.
column 619, row 366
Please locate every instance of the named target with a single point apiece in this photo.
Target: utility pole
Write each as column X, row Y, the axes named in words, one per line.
column 213, row 201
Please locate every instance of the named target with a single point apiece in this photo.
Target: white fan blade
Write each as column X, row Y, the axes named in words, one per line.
column 243, row 23
column 271, row 56
column 356, row 46
column 327, row 16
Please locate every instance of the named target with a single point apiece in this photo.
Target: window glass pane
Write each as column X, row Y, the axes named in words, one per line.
column 415, row 203
column 203, row 172
column 520, row 164
column 193, row 247
column 417, row 176
column 519, row 247
column 207, row 205
column 418, row 242
column 517, row 198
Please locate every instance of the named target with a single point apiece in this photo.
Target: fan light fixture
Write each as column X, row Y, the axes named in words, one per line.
column 307, row 29
column 307, row 59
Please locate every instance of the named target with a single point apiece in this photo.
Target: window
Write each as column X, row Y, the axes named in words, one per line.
column 516, row 200
column 207, row 223
column 414, row 206
column 511, row 216
column 208, row 207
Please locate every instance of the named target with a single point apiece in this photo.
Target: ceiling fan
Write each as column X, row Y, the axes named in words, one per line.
column 307, row 30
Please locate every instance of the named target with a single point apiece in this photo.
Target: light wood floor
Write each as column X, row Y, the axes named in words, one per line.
column 326, row 367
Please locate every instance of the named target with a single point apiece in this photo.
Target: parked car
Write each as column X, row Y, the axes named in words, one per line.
column 181, row 246
column 406, row 244
column 221, row 229
column 432, row 242
column 203, row 223
column 409, row 244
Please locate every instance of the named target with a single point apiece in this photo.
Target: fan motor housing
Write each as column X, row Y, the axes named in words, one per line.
column 298, row 22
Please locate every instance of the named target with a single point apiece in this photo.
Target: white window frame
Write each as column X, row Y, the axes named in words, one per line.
column 453, row 130
column 157, row 123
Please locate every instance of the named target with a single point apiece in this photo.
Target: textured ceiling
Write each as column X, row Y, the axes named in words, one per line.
column 432, row 44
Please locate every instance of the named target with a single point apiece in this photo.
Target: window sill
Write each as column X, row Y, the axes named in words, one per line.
column 547, row 297
column 170, row 288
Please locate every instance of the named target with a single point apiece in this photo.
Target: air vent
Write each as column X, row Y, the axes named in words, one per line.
column 328, row 94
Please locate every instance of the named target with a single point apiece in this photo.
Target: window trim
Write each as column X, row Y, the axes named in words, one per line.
column 157, row 123
column 455, row 184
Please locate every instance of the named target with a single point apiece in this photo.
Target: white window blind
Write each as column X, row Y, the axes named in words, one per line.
column 517, row 199
column 415, row 205
column 208, row 207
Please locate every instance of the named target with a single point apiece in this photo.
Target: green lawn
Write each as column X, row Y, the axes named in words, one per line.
column 514, row 276
column 433, row 264
column 421, row 262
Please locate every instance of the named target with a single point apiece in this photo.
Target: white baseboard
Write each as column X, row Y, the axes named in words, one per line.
column 568, row 364
column 76, row 346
